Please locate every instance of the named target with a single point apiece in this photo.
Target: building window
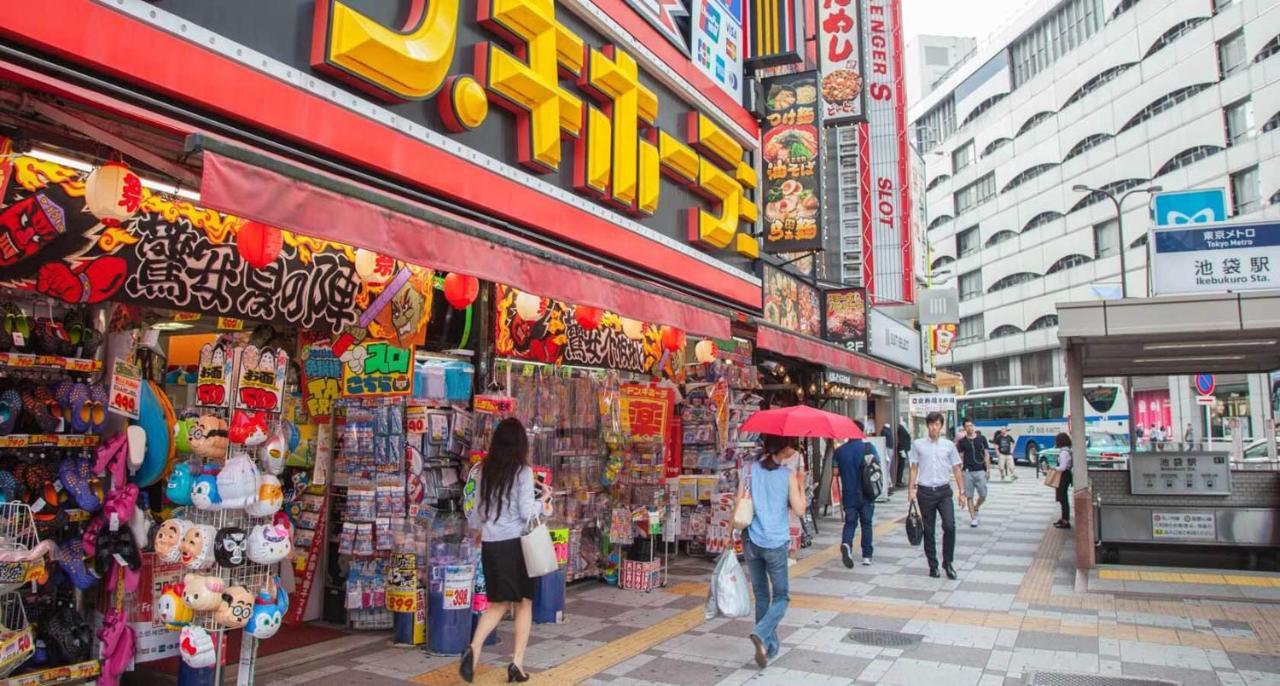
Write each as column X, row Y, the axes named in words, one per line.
column 1106, row 239
column 1165, row 102
column 1003, row 331
column 1040, row 220
column 1034, row 121
column 976, row 193
column 1246, row 194
column 938, row 181
column 1239, row 120
column 1219, row 5
column 1027, row 175
column 1188, row 157
column 971, row 285
column 1046, row 322
column 967, row 242
column 1272, row 124
column 942, row 262
column 1068, row 262
column 1118, row 188
column 1179, row 30
column 1012, row 280
column 1271, row 48
column 1232, row 55
column 995, row 373
column 939, row 221
column 982, row 108
column 1037, row 369
column 1073, row 23
column 970, row 329
column 962, row 157
column 1124, row 6
column 1087, row 144
column 936, row 126
column 996, row 145
column 1000, row 237
column 1097, row 82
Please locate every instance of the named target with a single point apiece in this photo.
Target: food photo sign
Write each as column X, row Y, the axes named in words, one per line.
column 791, row 304
column 792, row 209
column 840, row 51
column 846, row 318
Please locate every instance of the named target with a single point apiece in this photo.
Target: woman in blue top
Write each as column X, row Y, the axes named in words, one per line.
column 507, row 501
column 775, row 490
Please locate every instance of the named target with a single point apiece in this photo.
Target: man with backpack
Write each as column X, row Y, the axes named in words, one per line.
column 861, row 482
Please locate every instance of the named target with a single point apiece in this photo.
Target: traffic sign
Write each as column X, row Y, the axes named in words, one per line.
column 1198, row 206
column 1205, row 400
column 1205, row 384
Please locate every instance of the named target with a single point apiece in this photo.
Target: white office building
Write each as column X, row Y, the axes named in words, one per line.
column 930, row 58
column 1110, row 94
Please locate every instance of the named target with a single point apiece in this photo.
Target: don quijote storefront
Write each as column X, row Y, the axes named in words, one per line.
column 299, row 228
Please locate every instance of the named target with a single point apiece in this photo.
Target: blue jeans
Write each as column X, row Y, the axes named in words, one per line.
column 852, row 517
column 769, row 573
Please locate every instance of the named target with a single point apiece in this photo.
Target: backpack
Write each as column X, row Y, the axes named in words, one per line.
column 872, row 481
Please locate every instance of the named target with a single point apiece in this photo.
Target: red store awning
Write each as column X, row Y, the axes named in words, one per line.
column 283, row 193
column 820, row 352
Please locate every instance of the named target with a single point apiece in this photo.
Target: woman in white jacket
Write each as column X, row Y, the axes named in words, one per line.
column 1063, row 443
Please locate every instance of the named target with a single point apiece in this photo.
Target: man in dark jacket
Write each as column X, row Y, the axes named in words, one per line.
column 903, row 446
column 850, row 460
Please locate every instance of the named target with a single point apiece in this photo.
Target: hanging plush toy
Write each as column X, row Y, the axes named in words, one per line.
column 270, row 497
column 236, row 607
column 248, row 428
column 273, row 453
column 203, row 593
column 268, row 612
column 238, row 482
column 169, row 539
column 178, row 488
column 231, row 546
column 271, row 543
column 197, row 547
column 208, row 437
column 196, row 647
column 204, row 490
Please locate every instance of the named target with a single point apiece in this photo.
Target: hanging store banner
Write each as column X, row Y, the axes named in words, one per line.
column 557, row 337
column 791, row 304
column 646, row 411
column 889, row 263
column 1216, row 258
column 846, row 318
column 717, row 43
column 792, row 160
column 840, row 57
column 924, row 403
column 175, row 255
column 321, row 379
column 944, row 337
column 589, row 142
column 775, row 33
column 375, row 369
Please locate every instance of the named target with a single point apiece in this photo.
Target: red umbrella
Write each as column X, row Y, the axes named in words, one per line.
column 802, row 421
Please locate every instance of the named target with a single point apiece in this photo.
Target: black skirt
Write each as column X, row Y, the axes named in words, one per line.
column 505, row 578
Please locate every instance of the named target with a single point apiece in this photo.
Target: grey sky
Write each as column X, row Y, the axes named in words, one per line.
column 975, row 18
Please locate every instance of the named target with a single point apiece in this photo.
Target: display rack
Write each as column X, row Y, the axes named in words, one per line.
column 50, row 362
column 17, row 535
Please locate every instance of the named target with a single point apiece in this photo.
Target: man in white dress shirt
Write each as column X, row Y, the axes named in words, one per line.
column 935, row 463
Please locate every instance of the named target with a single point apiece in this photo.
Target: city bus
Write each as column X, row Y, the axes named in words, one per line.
column 1035, row 416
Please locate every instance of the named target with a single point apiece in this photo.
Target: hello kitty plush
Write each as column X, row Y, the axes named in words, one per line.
column 270, row 497
column 169, row 539
column 271, row 543
column 203, row 593
column 238, row 482
column 172, row 609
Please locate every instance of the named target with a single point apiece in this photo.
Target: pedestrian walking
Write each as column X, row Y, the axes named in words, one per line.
column 1004, row 452
column 508, row 497
column 975, row 452
column 859, row 509
column 935, row 462
column 903, row 449
column 775, row 495
column 1188, row 438
column 1063, row 491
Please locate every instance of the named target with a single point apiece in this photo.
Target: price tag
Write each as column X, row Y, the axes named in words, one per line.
column 230, row 324
column 126, row 387
column 115, row 522
column 415, row 420
column 18, row 340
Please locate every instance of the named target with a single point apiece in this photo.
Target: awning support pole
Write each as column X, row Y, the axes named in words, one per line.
column 1083, row 495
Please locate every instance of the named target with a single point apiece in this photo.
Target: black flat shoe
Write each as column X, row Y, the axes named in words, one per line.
column 515, row 675
column 466, row 666
column 933, row 572
column 951, row 572
column 1062, row 525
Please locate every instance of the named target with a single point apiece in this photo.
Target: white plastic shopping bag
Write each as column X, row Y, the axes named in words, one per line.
column 729, row 595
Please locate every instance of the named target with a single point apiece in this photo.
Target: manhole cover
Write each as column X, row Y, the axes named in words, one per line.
column 882, row 639
column 1069, row 679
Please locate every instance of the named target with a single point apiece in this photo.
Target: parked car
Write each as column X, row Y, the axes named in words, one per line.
column 1103, row 451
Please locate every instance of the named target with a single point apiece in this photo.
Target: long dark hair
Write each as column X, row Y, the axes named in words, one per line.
column 1063, row 440
column 774, row 445
column 508, row 452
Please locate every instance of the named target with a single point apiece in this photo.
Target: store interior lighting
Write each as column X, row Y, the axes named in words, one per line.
column 1207, row 344
column 1190, row 358
column 81, row 165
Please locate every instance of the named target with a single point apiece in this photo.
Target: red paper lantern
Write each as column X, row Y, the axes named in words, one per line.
column 673, row 339
column 259, row 244
column 461, row 290
column 589, row 318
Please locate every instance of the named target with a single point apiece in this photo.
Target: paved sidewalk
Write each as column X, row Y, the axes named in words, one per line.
column 1013, row 613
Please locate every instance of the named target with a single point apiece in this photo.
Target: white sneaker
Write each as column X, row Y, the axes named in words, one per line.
column 866, row 562
column 973, row 522
column 791, row 562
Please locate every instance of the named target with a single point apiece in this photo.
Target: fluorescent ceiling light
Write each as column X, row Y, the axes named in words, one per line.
column 1207, row 344
column 1190, row 358
column 172, row 326
column 81, row 165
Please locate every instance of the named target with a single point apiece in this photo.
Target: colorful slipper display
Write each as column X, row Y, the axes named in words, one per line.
column 70, row 558
column 10, row 409
column 75, row 474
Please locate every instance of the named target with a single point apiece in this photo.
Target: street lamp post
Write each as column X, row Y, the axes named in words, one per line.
column 1119, row 203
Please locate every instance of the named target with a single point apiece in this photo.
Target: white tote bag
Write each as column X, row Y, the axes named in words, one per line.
column 539, row 551
column 744, row 510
